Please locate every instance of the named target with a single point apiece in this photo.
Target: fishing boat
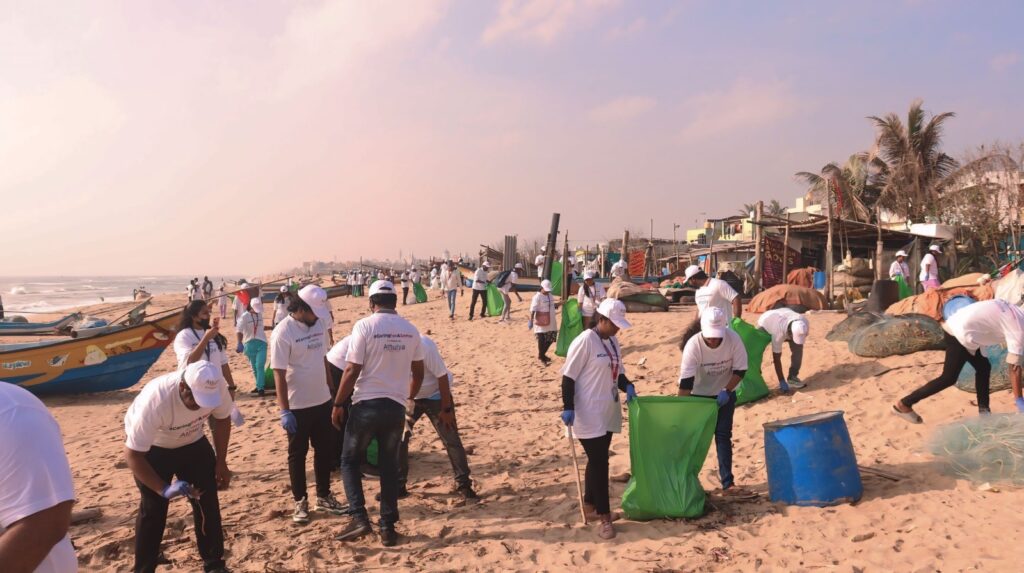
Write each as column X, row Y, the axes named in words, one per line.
column 11, row 328
column 110, row 361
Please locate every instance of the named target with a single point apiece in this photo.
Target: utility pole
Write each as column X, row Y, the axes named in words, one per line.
column 549, row 255
column 675, row 243
column 624, row 256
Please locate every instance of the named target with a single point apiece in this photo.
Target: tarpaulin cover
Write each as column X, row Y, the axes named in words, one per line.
column 905, row 290
column 495, row 302
column 419, row 292
column 571, row 327
column 755, row 340
column 669, row 437
column 637, row 262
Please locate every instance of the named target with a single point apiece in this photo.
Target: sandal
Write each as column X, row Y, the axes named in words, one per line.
column 910, row 416
column 738, row 493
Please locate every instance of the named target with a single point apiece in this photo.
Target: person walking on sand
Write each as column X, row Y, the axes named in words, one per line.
column 899, row 267
column 222, row 300
column 451, row 281
column 165, row 440
column 506, row 288
column 405, row 287
column 968, row 332
column 383, row 349
column 538, row 261
column 517, row 271
column 479, row 290
column 435, row 401
column 712, row 366
column 252, row 340
column 542, row 321
column 592, row 377
column 207, row 288
column 199, row 339
column 929, row 275
column 589, row 297
column 786, row 325
column 238, row 307
column 714, row 292
column 297, row 349
column 281, row 302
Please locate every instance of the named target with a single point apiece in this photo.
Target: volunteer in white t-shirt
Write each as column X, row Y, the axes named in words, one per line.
column 222, row 299
column 786, row 325
column 435, row 401
column 252, row 340
column 405, row 287
column 538, row 261
column 165, row 440
column 451, row 280
column 899, row 267
column 517, row 272
column 713, row 364
column 929, row 275
column 238, row 307
column 199, row 339
column 714, row 292
column 589, row 296
column 505, row 289
column 592, row 377
column 383, row 349
column 36, row 490
column 618, row 270
column 297, row 349
column 542, row 320
column 968, row 333
column 480, row 290
column 281, row 305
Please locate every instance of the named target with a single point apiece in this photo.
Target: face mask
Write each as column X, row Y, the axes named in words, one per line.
column 204, row 324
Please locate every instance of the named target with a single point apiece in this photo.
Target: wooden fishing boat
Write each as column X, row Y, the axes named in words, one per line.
column 38, row 328
column 110, row 361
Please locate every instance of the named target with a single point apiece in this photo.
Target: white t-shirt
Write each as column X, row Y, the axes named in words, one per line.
column 386, row 345
column 433, row 368
column 899, row 269
column 715, row 292
column 588, row 304
column 511, row 280
column 480, row 279
column 186, row 341
column 405, row 280
column 414, row 277
column 299, row 350
column 543, row 303
column 250, row 325
column 776, row 323
column 987, row 323
column 34, row 470
column 932, row 270
column 451, row 279
column 280, row 310
column 539, row 261
column 238, row 306
column 712, row 367
column 158, row 417
column 589, row 363
column 619, row 268
column 336, row 355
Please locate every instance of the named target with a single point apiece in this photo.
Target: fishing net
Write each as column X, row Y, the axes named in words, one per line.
column 897, row 336
column 1000, row 378
column 571, row 327
column 983, row 449
column 755, row 340
column 851, row 325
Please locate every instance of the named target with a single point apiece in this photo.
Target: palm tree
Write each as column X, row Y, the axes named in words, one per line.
column 775, row 209
column 916, row 167
column 857, row 190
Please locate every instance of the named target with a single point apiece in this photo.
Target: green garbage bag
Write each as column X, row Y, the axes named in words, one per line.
column 669, row 437
column 495, row 303
column 373, row 453
column 268, row 379
column 755, row 340
column 571, row 327
column 419, row 292
column 904, row 288
column 556, row 278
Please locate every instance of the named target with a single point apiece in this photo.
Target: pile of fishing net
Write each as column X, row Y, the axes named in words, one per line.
column 998, row 380
column 788, row 295
column 897, row 336
column 983, row 449
column 851, row 325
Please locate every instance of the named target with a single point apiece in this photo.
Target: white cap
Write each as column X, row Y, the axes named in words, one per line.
column 382, row 287
column 901, row 253
column 614, row 311
column 256, row 304
column 485, row 264
column 691, row 271
column 203, row 380
column 284, row 288
column 543, row 248
column 588, row 274
column 800, row 328
column 545, row 285
column 519, row 265
column 246, row 285
column 712, row 322
column 935, row 248
column 316, row 298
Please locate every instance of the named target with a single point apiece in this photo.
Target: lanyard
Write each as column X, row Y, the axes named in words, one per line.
column 206, row 351
column 613, row 356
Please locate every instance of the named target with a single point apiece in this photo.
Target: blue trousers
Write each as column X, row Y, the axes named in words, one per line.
column 384, row 419
column 256, row 352
column 451, row 302
column 723, row 441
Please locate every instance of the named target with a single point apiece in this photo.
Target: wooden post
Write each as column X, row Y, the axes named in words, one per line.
column 828, row 249
column 785, row 251
column 758, row 239
column 878, row 247
column 549, row 255
column 565, row 268
column 624, row 257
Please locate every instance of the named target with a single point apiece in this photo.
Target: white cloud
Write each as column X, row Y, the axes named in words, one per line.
column 634, row 27
column 621, row 109
column 746, row 104
column 1003, row 62
column 541, row 21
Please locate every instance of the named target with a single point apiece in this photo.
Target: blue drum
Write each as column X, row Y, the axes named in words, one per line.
column 810, row 461
column 819, row 279
column 955, row 304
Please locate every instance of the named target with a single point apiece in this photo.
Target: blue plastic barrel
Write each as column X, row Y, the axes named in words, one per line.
column 810, row 461
column 819, row 279
column 954, row 304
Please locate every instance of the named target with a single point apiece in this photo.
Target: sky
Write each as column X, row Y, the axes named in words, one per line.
column 247, row 136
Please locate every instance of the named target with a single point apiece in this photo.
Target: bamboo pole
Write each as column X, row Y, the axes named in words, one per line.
column 828, row 249
column 624, row 257
column 758, row 239
column 878, row 245
column 785, row 251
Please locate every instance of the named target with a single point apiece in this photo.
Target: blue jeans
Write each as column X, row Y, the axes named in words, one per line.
column 723, row 441
column 383, row 419
column 451, row 302
column 256, row 352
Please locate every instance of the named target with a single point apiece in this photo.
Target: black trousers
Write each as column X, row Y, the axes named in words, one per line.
column 449, row 438
column 195, row 464
column 482, row 295
column 544, row 342
column 595, row 485
column 956, row 357
column 314, row 426
column 405, row 294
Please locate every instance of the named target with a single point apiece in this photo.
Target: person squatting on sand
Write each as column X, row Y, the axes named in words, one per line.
column 297, row 348
column 592, row 377
column 383, row 349
column 786, row 325
column 971, row 329
column 436, row 402
column 165, row 440
column 712, row 366
column 252, row 340
column 542, row 320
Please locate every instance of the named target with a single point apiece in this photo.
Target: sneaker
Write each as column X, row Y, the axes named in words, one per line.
column 467, row 492
column 388, row 536
column 795, row 382
column 330, row 505
column 605, row 530
column 301, row 513
column 354, row 529
column 258, row 393
column 402, row 494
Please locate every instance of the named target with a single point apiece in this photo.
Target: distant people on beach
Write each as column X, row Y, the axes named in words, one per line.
column 589, row 297
column 222, row 299
column 207, row 289
column 451, row 282
column 929, row 275
column 252, row 340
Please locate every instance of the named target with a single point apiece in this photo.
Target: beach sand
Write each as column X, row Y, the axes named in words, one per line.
column 508, row 407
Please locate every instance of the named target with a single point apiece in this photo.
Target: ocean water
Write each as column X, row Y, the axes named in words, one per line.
column 51, row 294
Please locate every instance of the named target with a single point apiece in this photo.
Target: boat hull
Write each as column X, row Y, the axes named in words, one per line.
column 37, row 328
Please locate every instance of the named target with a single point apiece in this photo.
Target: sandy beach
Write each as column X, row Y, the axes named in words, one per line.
column 528, row 520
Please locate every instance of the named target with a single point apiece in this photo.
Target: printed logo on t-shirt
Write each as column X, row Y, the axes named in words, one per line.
column 393, row 341
column 717, row 368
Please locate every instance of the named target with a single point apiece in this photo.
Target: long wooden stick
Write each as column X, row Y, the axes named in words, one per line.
column 576, row 467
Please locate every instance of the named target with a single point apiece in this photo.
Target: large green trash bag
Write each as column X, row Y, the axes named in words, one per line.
column 373, row 453
column 556, row 278
column 904, row 288
column 495, row 304
column 755, row 340
column 268, row 379
column 669, row 437
column 419, row 293
column 571, row 327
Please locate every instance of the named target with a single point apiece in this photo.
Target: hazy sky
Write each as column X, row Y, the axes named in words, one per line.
column 209, row 137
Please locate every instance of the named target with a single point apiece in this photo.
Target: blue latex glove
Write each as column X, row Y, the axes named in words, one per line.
column 783, row 387
column 630, row 393
column 177, row 488
column 240, row 348
column 568, row 417
column 529, row 324
column 1020, row 405
column 722, row 398
column 288, row 421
